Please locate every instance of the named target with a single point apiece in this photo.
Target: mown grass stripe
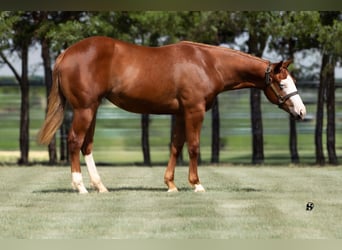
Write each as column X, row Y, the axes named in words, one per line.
column 240, row 202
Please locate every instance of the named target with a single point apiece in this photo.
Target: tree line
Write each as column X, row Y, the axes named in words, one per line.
column 284, row 32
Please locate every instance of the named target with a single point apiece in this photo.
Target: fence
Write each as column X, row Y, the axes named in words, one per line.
column 117, row 136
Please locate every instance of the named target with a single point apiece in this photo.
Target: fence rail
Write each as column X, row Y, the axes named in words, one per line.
column 117, row 136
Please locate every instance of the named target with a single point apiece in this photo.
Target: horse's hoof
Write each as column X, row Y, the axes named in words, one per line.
column 103, row 190
column 199, row 188
column 99, row 187
column 80, row 188
column 172, row 190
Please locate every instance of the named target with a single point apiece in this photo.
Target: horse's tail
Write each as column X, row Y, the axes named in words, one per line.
column 55, row 111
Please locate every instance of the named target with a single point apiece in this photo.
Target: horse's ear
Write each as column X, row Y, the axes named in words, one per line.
column 287, row 63
column 277, row 67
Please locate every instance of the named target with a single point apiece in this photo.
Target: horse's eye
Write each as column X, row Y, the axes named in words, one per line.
column 282, row 85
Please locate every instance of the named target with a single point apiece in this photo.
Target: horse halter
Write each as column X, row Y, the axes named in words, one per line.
column 269, row 83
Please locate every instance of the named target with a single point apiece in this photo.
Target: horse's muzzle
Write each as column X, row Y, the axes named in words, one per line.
column 298, row 116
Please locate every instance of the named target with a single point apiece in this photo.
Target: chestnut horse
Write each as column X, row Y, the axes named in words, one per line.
column 181, row 79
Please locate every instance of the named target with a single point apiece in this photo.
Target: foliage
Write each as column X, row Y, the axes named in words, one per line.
column 305, row 32
column 6, row 32
column 330, row 38
column 7, row 20
column 301, row 28
column 288, row 31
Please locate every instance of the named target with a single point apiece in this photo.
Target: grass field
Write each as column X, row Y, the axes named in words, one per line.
column 240, row 202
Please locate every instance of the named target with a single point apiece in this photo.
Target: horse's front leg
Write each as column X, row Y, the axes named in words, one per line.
column 178, row 139
column 193, row 125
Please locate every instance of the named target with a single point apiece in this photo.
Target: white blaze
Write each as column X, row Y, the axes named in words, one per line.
column 290, row 87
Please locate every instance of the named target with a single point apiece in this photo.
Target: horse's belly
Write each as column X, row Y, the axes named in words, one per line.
column 145, row 105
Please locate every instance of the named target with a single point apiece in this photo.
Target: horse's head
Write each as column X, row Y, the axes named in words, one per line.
column 281, row 89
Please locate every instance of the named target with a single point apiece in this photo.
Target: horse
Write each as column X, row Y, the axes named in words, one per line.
column 180, row 79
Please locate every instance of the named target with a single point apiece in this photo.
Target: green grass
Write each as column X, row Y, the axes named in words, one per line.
column 240, row 202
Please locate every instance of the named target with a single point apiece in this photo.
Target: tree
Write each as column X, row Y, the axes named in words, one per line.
column 45, row 23
column 284, row 41
column 220, row 30
column 292, row 32
column 215, row 27
column 58, row 30
column 215, row 132
column 52, row 26
column 321, row 31
column 145, row 144
column 331, row 47
column 21, row 37
column 256, row 45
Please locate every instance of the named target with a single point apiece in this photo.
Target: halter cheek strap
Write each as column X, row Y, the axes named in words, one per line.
column 282, row 99
column 267, row 75
column 268, row 81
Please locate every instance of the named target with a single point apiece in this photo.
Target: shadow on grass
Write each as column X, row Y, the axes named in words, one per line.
column 55, row 190
column 235, row 189
column 245, row 190
column 147, row 189
column 114, row 190
column 137, row 189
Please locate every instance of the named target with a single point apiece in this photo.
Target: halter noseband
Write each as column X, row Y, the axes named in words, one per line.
column 269, row 83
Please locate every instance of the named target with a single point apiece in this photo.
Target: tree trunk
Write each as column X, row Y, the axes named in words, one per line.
column 64, row 129
column 48, row 84
column 320, row 113
column 293, row 130
column 330, row 93
column 293, row 141
column 215, row 134
column 256, row 44
column 257, row 128
column 24, row 109
column 145, row 120
column 326, row 89
column 63, row 143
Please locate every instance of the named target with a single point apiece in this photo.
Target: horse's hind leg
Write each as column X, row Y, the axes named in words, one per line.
column 80, row 138
column 86, row 149
column 80, row 124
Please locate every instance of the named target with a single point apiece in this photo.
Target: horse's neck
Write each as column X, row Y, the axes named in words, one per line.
column 239, row 70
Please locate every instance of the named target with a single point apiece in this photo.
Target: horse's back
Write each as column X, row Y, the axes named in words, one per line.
column 136, row 78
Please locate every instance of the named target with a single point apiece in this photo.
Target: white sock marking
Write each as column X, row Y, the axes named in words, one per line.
column 77, row 183
column 199, row 188
column 94, row 175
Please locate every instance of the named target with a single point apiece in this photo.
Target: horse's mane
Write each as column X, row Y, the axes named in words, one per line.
column 224, row 49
